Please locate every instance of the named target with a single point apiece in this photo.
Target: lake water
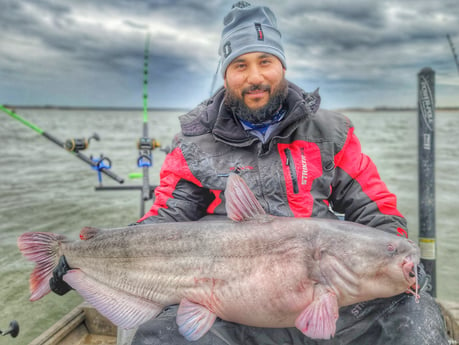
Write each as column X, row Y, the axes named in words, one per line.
column 44, row 188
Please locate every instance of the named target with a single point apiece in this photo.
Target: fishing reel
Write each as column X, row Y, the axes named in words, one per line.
column 79, row 144
column 151, row 144
column 147, row 144
column 13, row 329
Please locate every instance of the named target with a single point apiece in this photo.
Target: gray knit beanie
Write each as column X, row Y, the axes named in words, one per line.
column 249, row 29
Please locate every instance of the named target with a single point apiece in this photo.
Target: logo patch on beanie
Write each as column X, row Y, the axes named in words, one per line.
column 227, row 49
column 260, row 35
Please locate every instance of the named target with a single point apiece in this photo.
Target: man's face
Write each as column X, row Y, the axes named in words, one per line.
column 256, row 80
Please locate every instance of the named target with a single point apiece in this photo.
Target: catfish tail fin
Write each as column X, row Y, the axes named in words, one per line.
column 43, row 249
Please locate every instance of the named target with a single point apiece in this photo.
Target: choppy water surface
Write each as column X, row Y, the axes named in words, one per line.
column 44, row 188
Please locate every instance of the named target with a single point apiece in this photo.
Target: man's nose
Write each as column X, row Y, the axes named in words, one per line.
column 255, row 76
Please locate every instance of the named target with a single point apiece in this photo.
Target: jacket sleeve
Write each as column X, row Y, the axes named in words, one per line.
column 359, row 193
column 179, row 196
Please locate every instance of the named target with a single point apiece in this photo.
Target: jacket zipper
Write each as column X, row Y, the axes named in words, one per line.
column 291, row 167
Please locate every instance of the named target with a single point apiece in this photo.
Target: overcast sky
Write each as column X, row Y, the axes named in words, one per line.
column 361, row 53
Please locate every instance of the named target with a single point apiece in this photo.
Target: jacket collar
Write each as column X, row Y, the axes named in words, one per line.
column 212, row 116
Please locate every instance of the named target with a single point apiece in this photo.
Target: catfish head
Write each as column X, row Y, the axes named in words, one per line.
column 364, row 265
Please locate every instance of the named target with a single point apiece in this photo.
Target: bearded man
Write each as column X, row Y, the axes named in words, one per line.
column 299, row 161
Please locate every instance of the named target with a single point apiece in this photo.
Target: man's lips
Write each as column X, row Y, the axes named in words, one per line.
column 256, row 93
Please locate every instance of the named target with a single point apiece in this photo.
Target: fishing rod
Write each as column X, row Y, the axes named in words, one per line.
column 145, row 145
column 74, row 146
column 456, row 60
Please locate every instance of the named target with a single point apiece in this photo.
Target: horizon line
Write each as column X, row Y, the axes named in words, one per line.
column 133, row 108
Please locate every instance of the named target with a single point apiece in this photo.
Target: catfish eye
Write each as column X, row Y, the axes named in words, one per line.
column 391, row 249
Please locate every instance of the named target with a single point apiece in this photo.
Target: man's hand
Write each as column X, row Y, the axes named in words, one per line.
column 56, row 283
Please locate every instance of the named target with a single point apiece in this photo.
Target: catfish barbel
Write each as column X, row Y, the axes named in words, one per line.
column 253, row 269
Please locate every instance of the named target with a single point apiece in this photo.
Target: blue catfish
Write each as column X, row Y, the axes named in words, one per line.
column 254, row 269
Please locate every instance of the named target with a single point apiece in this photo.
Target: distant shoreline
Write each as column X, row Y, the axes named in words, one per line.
column 97, row 108
column 103, row 108
column 386, row 109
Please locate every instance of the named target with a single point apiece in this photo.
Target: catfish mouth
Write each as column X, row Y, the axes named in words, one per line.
column 410, row 271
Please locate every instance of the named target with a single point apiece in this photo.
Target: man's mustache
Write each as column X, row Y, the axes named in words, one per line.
column 259, row 87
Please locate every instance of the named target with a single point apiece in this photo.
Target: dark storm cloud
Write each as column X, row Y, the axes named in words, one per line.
column 363, row 46
column 370, row 48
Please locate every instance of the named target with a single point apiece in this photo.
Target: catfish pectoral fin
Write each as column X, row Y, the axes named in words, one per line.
column 194, row 320
column 318, row 320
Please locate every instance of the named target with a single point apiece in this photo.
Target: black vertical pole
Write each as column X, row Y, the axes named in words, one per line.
column 426, row 120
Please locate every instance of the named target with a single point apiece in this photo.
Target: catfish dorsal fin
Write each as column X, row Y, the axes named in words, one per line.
column 241, row 203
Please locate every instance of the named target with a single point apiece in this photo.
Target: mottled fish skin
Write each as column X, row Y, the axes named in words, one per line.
column 260, row 270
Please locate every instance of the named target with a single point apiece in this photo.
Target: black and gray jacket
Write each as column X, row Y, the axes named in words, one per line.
column 312, row 164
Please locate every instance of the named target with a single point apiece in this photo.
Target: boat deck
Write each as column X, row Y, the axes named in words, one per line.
column 82, row 325
column 450, row 311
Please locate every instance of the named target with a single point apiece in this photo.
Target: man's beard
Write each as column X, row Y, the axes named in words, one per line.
column 262, row 114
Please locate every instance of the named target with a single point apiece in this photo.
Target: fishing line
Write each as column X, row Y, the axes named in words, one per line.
column 145, row 144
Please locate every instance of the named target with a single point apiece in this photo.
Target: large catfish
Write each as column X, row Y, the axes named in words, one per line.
column 254, row 269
